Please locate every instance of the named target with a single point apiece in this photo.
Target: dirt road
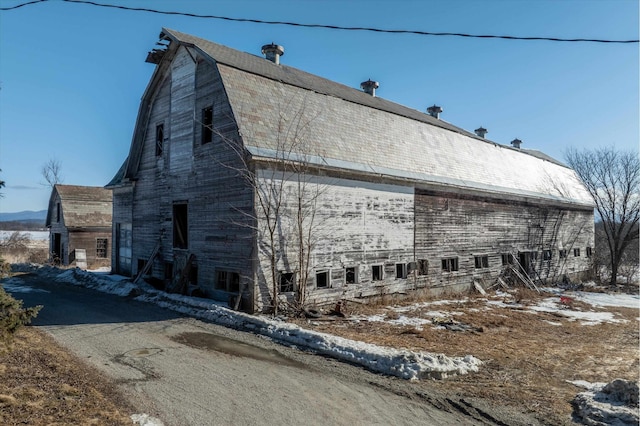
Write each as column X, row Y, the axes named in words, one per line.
column 187, row 372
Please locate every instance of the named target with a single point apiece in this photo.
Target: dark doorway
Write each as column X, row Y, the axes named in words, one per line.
column 56, row 249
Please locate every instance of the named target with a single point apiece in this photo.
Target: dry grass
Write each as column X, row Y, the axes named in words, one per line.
column 42, row 384
column 528, row 356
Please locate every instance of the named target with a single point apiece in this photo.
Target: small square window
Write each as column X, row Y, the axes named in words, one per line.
column 377, row 273
column 423, row 266
column 589, row 252
column 576, row 252
column 450, row 264
column 546, row 255
column 562, row 254
column 287, row 280
column 101, row 248
column 350, row 276
column 401, row 270
column 481, row 261
column 322, row 279
column 221, row 280
column 507, row 259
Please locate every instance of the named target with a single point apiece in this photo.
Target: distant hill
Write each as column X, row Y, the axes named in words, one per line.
column 27, row 215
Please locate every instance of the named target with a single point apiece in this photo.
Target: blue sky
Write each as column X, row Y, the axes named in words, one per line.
column 71, row 75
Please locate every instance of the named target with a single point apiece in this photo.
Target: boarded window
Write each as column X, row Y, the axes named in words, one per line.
column 576, row 252
column 589, row 252
column 401, row 270
column 546, row 254
column 450, row 264
column 377, row 273
column 286, row 281
column 207, row 125
column 322, row 279
column 159, row 139
column 481, row 261
column 350, row 276
column 180, row 226
column 101, row 248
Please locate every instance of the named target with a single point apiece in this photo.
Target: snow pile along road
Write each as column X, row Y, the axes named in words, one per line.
column 396, row 362
column 615, row 403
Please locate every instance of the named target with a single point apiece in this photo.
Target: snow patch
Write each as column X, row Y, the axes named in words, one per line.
column 146, row 420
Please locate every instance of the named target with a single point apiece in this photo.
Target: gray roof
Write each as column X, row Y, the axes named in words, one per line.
column 82, row 206
column 346, row 128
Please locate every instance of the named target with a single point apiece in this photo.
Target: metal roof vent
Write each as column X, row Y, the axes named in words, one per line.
column 481, row 131
column 435, row 111
column 370, row 87
column 273, row 52
column 516, row 143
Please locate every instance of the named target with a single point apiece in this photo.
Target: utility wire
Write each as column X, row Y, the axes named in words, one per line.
column 332, row 27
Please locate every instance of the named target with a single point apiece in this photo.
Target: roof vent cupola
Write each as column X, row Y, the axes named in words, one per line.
column 516, row 143
column 370, row 87
column 435, row 111
column 481, row 131
column 273, row 52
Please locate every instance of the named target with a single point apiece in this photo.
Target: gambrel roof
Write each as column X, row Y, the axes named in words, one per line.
column 81, row 206
column 350, row 130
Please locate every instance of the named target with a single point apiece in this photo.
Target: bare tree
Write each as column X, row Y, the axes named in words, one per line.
column 52, row 172
column 612, row 178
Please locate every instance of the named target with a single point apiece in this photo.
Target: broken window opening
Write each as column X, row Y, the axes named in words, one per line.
column 286, row 281
column 481, row 262
column 159, row 139
column 377, row 273
column 576, row 252
column 168, row 270
column 561, row 253
column 589, row 252
column 350, row 276
column 423, row 266
column 227, row 281
column 450, row 264
column 101, row 248
column 401, row 270
column 546, row 255
column 180, row 226
column 207, row 125
column 507, row 259
column 322, row 279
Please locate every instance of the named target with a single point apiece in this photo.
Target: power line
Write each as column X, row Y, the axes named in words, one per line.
column 332, row 27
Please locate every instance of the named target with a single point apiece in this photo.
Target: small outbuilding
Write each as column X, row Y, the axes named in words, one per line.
column 79, row 222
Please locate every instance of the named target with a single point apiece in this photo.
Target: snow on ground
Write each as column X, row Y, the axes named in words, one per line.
column 614, row 403
column 33, row 235
column 397, row 362
column 146, row 420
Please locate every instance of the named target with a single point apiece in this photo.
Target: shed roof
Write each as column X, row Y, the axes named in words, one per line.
column 82, row 206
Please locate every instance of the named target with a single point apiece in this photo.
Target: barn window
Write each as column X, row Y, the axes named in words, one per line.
column 576, row 252
column 159, row 139
column 377, row 273
column 481, row 262
column 180, row 226
column 58, row 212
column 227, row 281
column 350, row 275
column 286, row 281
column 507, row 259
column 322, row 279
column 589, row 252
column 168, row 270
column 101, row 248
column 401, row 270
column 561, row 253
column 450, row 264
column 423, row 266
column 207, row 125
column 546, row 254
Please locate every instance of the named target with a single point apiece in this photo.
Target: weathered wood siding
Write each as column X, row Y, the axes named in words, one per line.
column 462, row 227
column 204, row 177
column 122, row 216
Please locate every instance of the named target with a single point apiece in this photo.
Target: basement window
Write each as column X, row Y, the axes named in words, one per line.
column 576, row 252
column 401, row 270
column 589, row 252
column 450, row 264
column 546, row 254
column 159, row 139
column 207, row 124
column 101, row 248
column 423, row 266
column 350, row 275
column 507, row 259
column 286, row 281
column 322, row 279
column 180, row 226
column 481, row 262
column 377, row 273
column 561, row 253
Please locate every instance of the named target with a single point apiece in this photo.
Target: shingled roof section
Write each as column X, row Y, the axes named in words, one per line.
column 82, row 206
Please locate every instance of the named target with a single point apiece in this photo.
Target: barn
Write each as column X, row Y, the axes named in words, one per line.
column 79, row 222
column 267, row 186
